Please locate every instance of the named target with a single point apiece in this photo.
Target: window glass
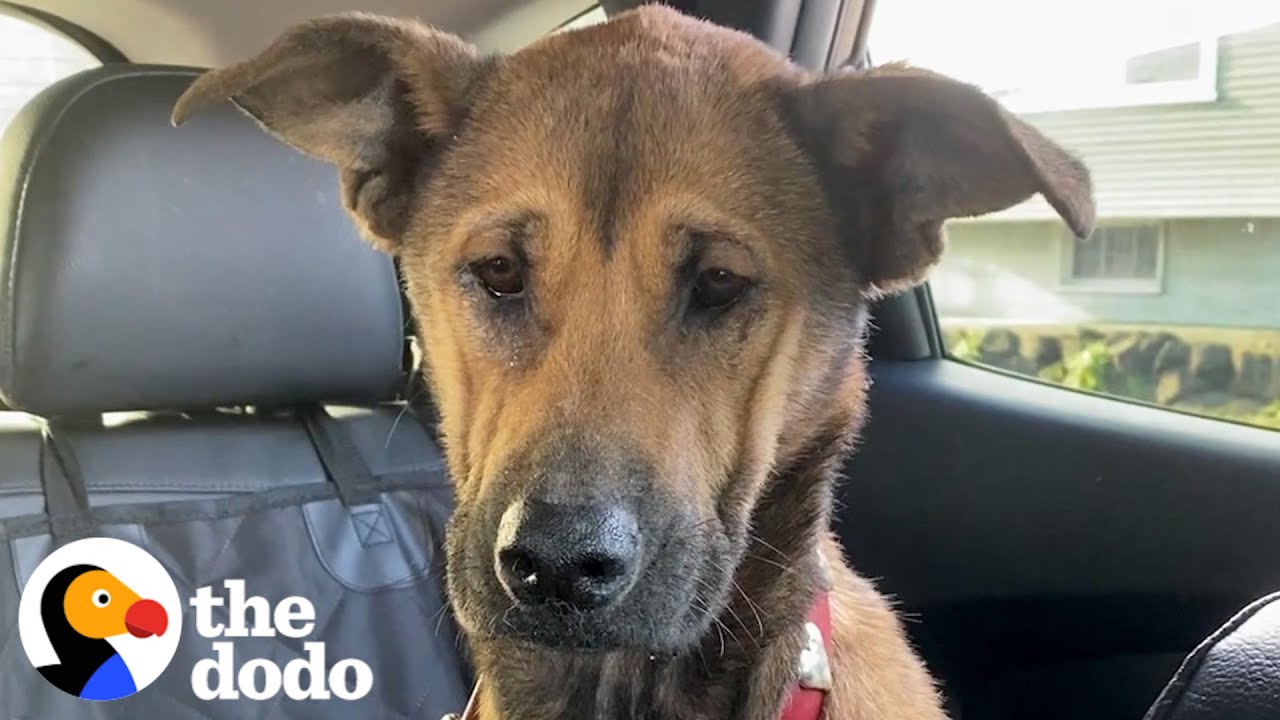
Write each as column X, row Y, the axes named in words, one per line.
column 1175, row 106
column 32, row 58
column 590, row 17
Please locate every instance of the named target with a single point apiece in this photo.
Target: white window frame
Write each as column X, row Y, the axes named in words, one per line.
column 1201, row 89
column 1068, row 282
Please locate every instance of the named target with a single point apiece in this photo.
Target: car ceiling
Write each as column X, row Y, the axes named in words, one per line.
column 203, row 33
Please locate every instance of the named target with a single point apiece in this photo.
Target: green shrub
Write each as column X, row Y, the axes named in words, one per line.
column 1269, row 416
column 1055, row 373
column 1093, row 368
column 966, row 346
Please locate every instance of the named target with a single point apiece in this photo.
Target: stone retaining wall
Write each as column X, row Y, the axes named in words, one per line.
column 1236, row 372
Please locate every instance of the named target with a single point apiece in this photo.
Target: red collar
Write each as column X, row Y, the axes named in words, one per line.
column 808, row 697
column 805, row 702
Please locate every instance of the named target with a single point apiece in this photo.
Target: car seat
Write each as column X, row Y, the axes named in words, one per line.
column 215, row 365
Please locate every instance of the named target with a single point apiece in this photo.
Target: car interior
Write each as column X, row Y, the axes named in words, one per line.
column 199, row 355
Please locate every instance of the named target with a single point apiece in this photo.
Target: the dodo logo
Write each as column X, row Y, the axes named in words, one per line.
column 100, row 619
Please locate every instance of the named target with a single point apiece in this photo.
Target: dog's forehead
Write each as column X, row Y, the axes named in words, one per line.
column 651, row 107
column 650, row 62
column 656, row 36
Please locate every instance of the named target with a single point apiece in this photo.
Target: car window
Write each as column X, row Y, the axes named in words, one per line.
column 592, row 16
column 1175, row 106
column 32, row 58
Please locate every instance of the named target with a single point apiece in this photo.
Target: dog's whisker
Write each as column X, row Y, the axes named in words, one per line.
column 767, row 561
column 702, row 658
column 720, row 627
column 756, row 538
column 743, row 625
column 441, row 614
column 720, row 633
column 732, row 635
column 729, row 609
column 751, row 604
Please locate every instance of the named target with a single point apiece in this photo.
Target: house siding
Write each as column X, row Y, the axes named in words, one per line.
column 1208, row 160
column 1217, row 272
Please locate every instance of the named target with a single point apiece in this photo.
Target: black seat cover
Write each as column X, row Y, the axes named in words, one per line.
column 1234, row 675
column 211, row 360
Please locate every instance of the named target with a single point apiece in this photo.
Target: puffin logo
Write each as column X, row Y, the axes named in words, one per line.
column 100, row 619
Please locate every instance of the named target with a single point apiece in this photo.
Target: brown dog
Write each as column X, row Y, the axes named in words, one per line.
column 640, row 255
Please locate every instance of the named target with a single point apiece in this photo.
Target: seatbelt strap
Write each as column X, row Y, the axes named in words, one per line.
column 342, row 460
column 66, row 499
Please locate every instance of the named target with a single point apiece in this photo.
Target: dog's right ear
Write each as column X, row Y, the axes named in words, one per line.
column 908, row 149
column 371, row 95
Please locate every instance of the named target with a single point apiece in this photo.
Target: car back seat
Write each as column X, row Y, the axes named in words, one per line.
column 215, row 358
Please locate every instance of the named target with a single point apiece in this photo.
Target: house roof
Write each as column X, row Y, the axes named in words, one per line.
column 1217, row 155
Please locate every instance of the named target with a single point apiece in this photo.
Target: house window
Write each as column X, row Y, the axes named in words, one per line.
column 1119, row 258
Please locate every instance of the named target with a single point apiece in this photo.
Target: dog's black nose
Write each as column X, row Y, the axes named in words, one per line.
column 583, row 555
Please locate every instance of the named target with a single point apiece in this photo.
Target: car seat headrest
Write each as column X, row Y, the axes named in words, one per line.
column 145, row 268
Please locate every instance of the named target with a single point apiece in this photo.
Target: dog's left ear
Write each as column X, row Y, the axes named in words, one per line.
column 902, row 150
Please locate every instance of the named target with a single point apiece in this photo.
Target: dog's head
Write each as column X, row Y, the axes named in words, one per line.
column 639, row 255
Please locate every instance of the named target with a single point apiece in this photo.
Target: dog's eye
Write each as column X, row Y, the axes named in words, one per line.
column 718, row 288
column 501, row 276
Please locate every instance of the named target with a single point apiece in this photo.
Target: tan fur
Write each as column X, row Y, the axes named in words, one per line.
column 877, row 674
column 614, row 166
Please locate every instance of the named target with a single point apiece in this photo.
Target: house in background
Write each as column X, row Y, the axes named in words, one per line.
column 1185, row 156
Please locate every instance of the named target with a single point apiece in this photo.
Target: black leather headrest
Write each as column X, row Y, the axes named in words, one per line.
column 144, row 267
column 1234, row 675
